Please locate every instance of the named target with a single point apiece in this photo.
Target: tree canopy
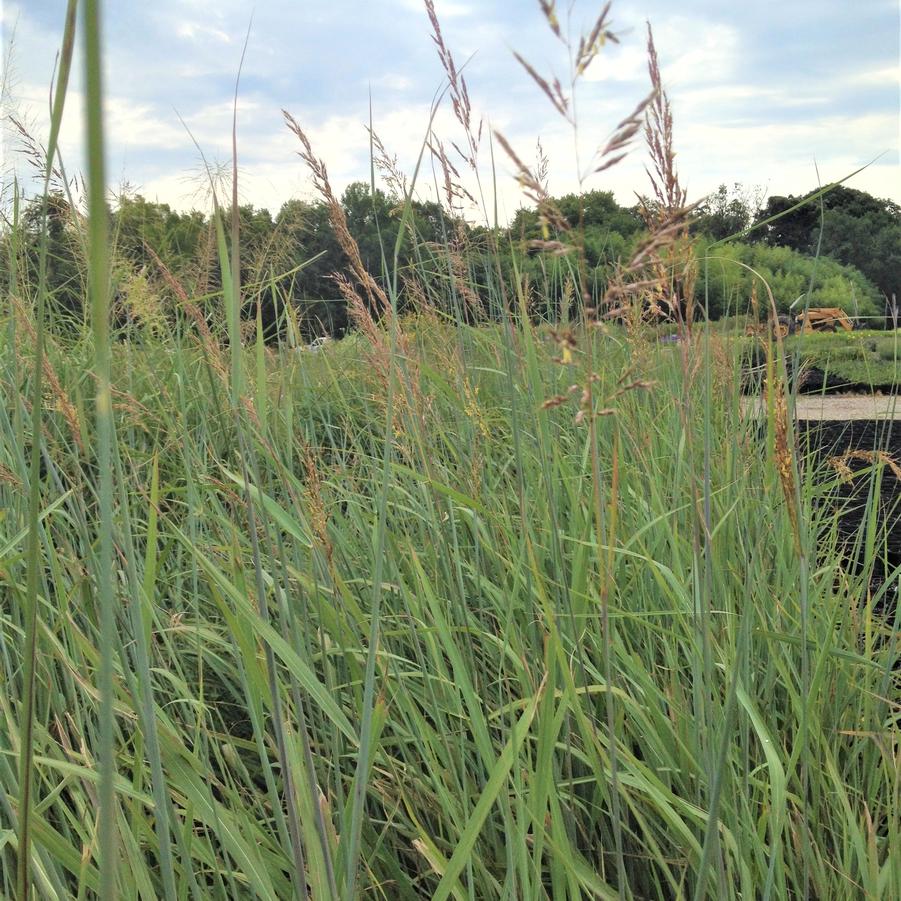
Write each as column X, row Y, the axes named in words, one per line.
column 289, row 260
column 848, row 225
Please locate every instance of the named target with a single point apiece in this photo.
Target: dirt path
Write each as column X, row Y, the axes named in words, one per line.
column 838, row 407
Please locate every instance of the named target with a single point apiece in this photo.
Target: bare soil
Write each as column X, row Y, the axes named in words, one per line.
column 835, row 407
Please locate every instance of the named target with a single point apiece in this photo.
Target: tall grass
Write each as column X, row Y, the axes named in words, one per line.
column 29, row 648
column 491, row 572
column 507, row 611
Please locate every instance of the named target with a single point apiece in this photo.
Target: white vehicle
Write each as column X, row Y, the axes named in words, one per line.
column 315, row 345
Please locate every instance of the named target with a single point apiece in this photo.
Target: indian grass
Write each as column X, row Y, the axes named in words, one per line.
column 482, row 598
column 99, row 290
column 393, row 621
column 29, row 650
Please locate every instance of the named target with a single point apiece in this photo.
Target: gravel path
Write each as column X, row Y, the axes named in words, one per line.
column 837, row 407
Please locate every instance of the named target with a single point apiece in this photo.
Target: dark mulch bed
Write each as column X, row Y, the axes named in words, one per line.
column 828, row 439
column 815, row 381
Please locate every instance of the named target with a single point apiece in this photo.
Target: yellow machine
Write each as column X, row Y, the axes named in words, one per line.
column 823, row 319
column 816, row 319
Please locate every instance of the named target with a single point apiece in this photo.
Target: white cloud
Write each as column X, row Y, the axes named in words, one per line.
column 619, row 62
column 742, row 99
column 141, row 126
column 445, row 9
column 888, row 75
column 692, row 52
column 392, row 81
column 785, row 156
column 128, row 125
column 197, row 32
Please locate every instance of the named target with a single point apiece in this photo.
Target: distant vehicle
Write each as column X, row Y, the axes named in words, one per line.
column 315, row 345
column 816, row 319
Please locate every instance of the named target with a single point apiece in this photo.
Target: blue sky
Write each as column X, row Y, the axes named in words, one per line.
column 763, row 93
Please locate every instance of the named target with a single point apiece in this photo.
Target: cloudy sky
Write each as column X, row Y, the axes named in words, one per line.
column 763, row 93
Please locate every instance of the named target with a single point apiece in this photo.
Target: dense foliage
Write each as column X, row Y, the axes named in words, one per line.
column 288, row 261
column 794, row 278
column 850, row 226
column 727, row 212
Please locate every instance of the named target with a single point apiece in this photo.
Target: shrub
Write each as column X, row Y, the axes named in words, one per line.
column 726, row 277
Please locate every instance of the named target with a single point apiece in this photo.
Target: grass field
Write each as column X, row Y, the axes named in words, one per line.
column 504, row 610
column 549, row 658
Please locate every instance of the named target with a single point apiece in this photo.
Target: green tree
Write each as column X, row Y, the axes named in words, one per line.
column 175, row 237
column 306, row 229
column 601, row 229
column 726, row 212
column 851, row 226
column 724, row 283
column 66, row 283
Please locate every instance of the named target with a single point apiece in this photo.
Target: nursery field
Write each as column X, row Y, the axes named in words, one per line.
column 865, row 360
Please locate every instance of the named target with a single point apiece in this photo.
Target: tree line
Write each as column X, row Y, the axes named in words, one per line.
column 843, row 249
